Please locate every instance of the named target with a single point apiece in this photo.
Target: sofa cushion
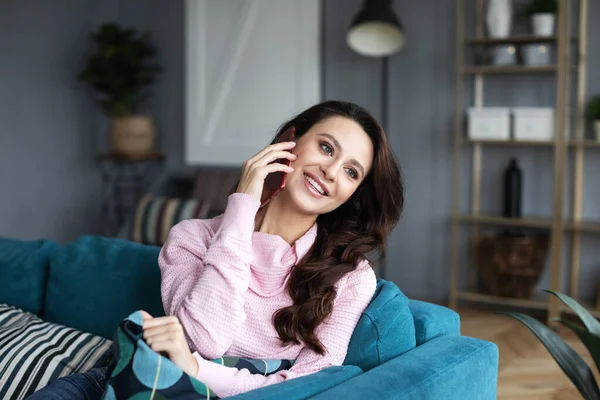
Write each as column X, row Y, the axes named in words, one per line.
column 34, row 352
column 23, row 272
column 155, row 216
column 385, row 330
column 433, row 320
column 95, row 282
column 448, row 367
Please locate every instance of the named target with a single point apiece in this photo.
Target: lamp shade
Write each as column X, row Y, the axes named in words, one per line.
column 376, row 31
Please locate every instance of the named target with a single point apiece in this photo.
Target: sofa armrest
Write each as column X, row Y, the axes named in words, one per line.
column 432, row 321
column 449, row 367
column 305, row 387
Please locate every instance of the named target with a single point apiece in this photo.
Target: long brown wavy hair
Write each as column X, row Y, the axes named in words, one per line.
column 345, row 236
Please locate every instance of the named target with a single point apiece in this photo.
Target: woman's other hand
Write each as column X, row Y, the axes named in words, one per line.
column 256, row 169
column 165, row 335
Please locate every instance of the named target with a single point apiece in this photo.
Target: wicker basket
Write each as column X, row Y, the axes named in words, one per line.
column 511, row 266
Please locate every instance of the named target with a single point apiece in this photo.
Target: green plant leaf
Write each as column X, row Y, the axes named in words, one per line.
column 121, row 67
column 590, row 322
column 568, row 360
column 539, row 6
column 591, row 341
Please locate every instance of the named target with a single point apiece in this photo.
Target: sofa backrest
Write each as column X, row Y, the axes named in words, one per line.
column 392, row 324
column 95, row 282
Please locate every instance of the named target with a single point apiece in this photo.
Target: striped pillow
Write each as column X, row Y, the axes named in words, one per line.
column 34, row 352
column 155, row 216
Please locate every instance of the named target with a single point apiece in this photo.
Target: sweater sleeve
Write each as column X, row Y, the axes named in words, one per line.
column 205, row 275
column 334, row 334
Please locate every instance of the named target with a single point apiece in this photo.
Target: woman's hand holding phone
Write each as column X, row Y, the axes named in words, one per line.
column 256, row 169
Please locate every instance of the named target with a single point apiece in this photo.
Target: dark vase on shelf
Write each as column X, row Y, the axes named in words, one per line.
column 513, row 190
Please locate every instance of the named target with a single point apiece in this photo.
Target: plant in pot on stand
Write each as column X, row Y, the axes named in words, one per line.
column 543, row 16
column 593, row 111
column 119, row 71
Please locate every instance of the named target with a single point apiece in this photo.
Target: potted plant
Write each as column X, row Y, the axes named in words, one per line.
column 568, row 360
column 119, row 71
column 543, row 16
column 593, row 111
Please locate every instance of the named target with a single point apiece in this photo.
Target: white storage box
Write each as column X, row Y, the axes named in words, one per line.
column 492, row 123
column 533, row 123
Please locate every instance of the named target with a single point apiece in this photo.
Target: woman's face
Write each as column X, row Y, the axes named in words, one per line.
column 334, row 156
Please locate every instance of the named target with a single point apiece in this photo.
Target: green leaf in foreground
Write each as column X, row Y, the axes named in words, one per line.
column 591, row 341
column 590, row 322
column 568, row 360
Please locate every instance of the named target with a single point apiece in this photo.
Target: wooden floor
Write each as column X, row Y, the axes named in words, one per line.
column 526, row 369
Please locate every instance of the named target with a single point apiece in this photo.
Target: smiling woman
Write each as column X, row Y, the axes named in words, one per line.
column 286, row 279
column 345, row 178
column 292, row 276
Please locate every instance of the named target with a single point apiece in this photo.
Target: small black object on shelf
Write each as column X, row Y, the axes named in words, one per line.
column 513, row 190
column 513, row 193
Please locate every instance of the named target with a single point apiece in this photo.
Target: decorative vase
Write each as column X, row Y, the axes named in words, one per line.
column 543, row 24
column 513, row 190
column 597, row 129
column 133, row 135
column 499, row 18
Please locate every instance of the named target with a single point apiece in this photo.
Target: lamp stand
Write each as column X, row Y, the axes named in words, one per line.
column 376, row 31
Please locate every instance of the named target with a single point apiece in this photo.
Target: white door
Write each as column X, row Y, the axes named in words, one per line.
column 250, row 65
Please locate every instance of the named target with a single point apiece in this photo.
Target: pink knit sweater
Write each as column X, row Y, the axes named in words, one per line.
column 224, row 282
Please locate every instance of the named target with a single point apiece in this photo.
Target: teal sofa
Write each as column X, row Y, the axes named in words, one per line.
column 400, row 349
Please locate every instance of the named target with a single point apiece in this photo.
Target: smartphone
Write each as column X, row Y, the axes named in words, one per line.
column 275, row 181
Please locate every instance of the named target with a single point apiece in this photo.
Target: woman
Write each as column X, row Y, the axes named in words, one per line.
column 288, row 280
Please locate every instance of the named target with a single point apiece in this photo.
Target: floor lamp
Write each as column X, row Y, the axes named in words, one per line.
column 377, row 32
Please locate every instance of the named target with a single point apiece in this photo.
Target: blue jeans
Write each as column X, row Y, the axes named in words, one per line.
column 86, row 386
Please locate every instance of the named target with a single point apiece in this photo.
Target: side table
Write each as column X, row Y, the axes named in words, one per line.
column 126, row 178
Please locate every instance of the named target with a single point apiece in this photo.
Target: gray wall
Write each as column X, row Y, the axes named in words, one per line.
column 50, row 132
column 49, row 183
